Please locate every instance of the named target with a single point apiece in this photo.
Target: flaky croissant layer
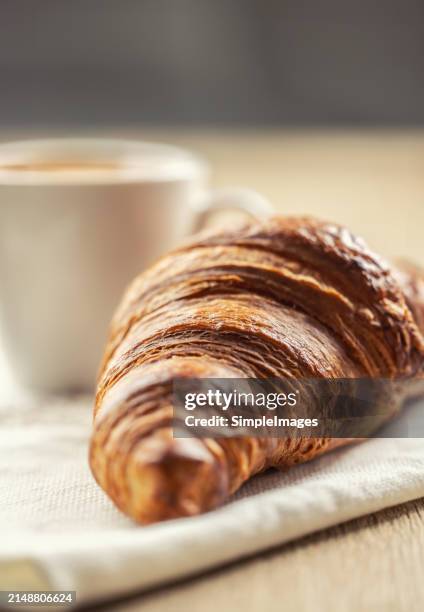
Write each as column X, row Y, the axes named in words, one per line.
column 287, row 297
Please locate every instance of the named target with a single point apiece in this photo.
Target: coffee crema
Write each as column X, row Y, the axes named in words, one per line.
column 61, row 166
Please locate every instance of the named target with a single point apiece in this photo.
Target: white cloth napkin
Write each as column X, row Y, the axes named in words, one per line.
column 58, row 530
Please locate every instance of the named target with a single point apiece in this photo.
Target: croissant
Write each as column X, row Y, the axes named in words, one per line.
column 286, row 297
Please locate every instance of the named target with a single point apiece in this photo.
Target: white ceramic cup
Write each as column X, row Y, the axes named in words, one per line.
column 72, row 238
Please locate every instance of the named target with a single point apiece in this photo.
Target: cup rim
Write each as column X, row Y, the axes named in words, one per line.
column 162, row 162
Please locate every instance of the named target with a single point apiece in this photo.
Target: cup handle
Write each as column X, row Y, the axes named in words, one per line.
column 253, row 204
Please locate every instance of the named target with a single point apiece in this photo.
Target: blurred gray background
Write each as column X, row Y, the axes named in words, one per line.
column 262, row 62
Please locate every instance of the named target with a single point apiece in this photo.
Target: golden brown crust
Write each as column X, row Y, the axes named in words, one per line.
column 283, row 298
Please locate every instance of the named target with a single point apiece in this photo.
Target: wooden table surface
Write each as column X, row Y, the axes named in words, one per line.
column 373, row 182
